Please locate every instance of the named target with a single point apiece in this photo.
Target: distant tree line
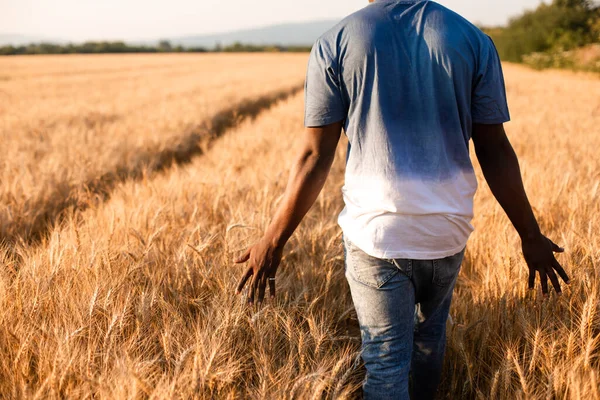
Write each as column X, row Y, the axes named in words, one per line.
column 163, row 46
column 553, row 28
column 548, row 36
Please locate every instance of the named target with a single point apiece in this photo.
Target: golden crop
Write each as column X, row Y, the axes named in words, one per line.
column 129, row 183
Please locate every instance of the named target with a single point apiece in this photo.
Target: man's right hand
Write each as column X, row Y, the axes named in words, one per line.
column 539, row 256
column 500, row 167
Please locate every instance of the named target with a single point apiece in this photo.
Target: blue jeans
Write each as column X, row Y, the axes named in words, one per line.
column 402, row 307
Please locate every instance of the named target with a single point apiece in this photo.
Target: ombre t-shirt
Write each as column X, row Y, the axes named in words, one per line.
column 409, row 78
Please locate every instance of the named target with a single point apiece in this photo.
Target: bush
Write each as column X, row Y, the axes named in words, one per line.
column 562, row 59
column 551, row 28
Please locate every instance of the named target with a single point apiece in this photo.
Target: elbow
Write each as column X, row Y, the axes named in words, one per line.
column 499, row 158
column 315, row 159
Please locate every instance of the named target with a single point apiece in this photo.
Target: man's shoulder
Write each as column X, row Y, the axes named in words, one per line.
column 457, row 21
column 358, row 21
column 375, row 21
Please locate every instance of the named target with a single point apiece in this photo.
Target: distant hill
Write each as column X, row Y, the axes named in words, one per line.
column 292, row 34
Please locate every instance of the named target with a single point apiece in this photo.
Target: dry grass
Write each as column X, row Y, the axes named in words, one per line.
column 132, row 295
column 69, row 122
column 589, row 55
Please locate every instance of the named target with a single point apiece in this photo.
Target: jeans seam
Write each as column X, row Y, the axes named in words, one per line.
column 408, row 272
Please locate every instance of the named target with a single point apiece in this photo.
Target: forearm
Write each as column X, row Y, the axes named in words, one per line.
column 307, row 178
column 500, row 167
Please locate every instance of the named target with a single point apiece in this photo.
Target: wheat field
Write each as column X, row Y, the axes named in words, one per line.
column 128, row 184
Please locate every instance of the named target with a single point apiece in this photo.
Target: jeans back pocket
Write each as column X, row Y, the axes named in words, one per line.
column 446, row 269
column 366, row 269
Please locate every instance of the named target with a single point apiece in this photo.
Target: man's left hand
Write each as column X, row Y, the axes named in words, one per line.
column 263, row 258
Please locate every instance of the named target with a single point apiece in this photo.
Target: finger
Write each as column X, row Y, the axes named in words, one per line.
column 544, row 280
column 272, row 287
column 251, row 293
column 261, row 289
column 561, row 272
column 243, row 258
column 253, row 287
column 531, row 279
column 244, row 279
column 556, row 248
column 554, row 279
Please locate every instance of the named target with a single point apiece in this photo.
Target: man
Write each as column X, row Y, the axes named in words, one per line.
column 411, row 82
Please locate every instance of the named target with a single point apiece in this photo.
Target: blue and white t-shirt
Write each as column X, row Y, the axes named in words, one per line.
column 409, row 78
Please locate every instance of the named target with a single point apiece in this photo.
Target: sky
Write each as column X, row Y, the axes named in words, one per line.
column 79, row 20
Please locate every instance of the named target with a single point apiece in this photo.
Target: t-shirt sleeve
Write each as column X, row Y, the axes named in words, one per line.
column 323, row 97
column 488, row 102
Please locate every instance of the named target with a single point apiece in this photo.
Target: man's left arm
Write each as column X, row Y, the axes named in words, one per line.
column 324, row 117
column 307, row 177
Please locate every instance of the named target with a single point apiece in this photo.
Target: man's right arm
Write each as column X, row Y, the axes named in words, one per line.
column 500, row 167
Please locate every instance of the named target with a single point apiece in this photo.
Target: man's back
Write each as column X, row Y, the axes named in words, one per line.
column 410, row 78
